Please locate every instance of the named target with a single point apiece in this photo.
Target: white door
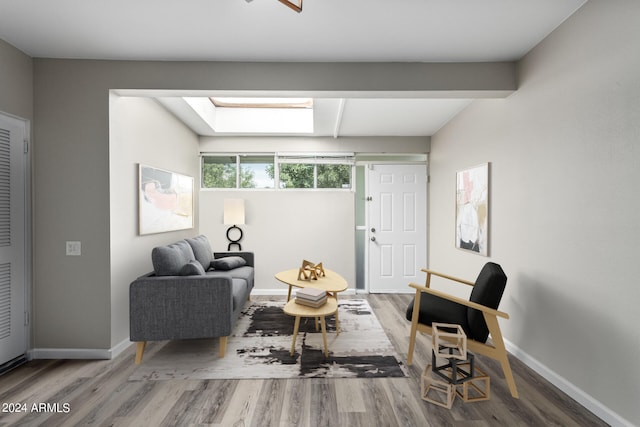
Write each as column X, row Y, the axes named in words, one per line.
column 13, row 320
column 397, row 208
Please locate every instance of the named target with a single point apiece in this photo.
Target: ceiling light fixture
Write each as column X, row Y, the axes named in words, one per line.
column 293, row 4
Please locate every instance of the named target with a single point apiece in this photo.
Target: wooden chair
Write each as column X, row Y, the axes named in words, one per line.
column 478, row 317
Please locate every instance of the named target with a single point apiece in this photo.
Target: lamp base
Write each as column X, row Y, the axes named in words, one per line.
column 233, row 241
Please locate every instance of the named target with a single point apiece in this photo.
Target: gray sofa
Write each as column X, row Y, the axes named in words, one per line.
column 192, row 293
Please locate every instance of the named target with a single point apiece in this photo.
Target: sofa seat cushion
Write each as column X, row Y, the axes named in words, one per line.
column 239, row 290
column 246, row 273
column 169, row 260
column 202, row 250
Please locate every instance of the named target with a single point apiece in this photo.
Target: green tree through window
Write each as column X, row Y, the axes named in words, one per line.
column 258, row 171
column 334, row 176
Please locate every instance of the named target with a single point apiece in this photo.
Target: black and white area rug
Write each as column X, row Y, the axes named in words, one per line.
column 260, row 344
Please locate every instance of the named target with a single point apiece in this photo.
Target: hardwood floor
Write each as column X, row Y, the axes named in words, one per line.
column 99, row 393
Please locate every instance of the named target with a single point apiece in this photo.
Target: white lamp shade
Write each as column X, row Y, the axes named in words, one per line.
column 233, row 211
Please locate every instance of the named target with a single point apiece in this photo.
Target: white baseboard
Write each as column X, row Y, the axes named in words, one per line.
column 589, row 402
column 79, row 353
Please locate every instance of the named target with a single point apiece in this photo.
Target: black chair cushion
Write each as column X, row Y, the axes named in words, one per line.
column 439, row 310
column 487, row 291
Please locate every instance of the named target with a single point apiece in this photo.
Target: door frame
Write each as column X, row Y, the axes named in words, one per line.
column 28, row 232
column 368, row 164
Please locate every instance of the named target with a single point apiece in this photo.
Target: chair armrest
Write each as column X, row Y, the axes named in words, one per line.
column 180, row 307
column 458, row 300
column 248, row 256
column 446, row 276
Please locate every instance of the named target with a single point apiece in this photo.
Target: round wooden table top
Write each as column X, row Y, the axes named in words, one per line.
column 331, row 282
column 292, row 308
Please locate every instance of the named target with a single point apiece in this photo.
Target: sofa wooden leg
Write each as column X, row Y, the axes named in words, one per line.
column 140, row 345
column 223, row 346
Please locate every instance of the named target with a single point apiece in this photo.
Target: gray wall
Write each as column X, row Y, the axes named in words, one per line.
column 16, row 82
column 565, row 156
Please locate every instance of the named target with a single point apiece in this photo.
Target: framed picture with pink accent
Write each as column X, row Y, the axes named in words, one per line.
column 165, row 201
column 472, row 209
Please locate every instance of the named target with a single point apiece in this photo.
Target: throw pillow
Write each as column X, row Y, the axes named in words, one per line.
column 228, row 263
column 192, row 268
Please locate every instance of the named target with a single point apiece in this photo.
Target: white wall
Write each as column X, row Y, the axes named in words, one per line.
column 565, row 155
column 284, row 227
column 141, row 131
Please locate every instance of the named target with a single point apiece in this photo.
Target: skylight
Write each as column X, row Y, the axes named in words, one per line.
column 230, row 102
column 255, row 115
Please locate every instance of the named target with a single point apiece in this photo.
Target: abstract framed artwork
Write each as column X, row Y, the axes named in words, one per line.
column 472, row 209
column 165, row 200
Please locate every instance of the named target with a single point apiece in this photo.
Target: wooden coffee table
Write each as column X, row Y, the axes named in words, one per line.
column 298, row 310
column 331, row 282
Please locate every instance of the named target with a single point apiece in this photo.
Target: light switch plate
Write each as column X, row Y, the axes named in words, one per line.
column 74, row 248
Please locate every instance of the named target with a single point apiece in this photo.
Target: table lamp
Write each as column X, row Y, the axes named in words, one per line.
column 234, row 215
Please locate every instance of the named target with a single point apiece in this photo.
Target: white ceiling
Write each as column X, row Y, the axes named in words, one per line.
column 266, row 30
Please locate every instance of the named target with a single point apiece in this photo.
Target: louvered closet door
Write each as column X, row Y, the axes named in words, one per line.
column 13, row 329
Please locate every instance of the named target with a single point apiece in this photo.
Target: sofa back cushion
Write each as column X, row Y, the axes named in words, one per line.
column 169, row 260
column 202, row 250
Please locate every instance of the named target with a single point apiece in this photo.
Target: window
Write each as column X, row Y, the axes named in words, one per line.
column 315, row 171
column 237, row 171
column 219, row 172
column 263, row 171
column 334, row 176
column 256, row 171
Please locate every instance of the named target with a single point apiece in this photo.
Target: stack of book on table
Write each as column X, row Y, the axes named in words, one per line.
column 311, row 297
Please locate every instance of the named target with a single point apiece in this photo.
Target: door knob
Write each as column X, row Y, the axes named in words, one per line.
column 373, row 239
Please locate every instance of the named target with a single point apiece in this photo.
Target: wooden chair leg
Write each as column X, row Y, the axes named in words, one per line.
column 414, row 327
column 223, row 346
column 140, row 345
column 501, row 353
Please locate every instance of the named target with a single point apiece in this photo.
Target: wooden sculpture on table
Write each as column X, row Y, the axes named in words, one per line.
column 310, row 271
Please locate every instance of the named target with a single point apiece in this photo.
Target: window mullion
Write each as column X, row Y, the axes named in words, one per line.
column 315, row 176
column 237, row 171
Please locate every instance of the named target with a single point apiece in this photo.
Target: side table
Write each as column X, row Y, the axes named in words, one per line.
column 299, row 310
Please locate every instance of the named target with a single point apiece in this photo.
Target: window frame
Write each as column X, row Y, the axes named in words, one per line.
column 314, row 159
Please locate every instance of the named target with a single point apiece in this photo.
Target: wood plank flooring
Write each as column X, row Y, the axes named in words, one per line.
column 98, row 393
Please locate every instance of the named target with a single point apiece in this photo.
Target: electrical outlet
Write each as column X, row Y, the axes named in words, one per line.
column 74, row 248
